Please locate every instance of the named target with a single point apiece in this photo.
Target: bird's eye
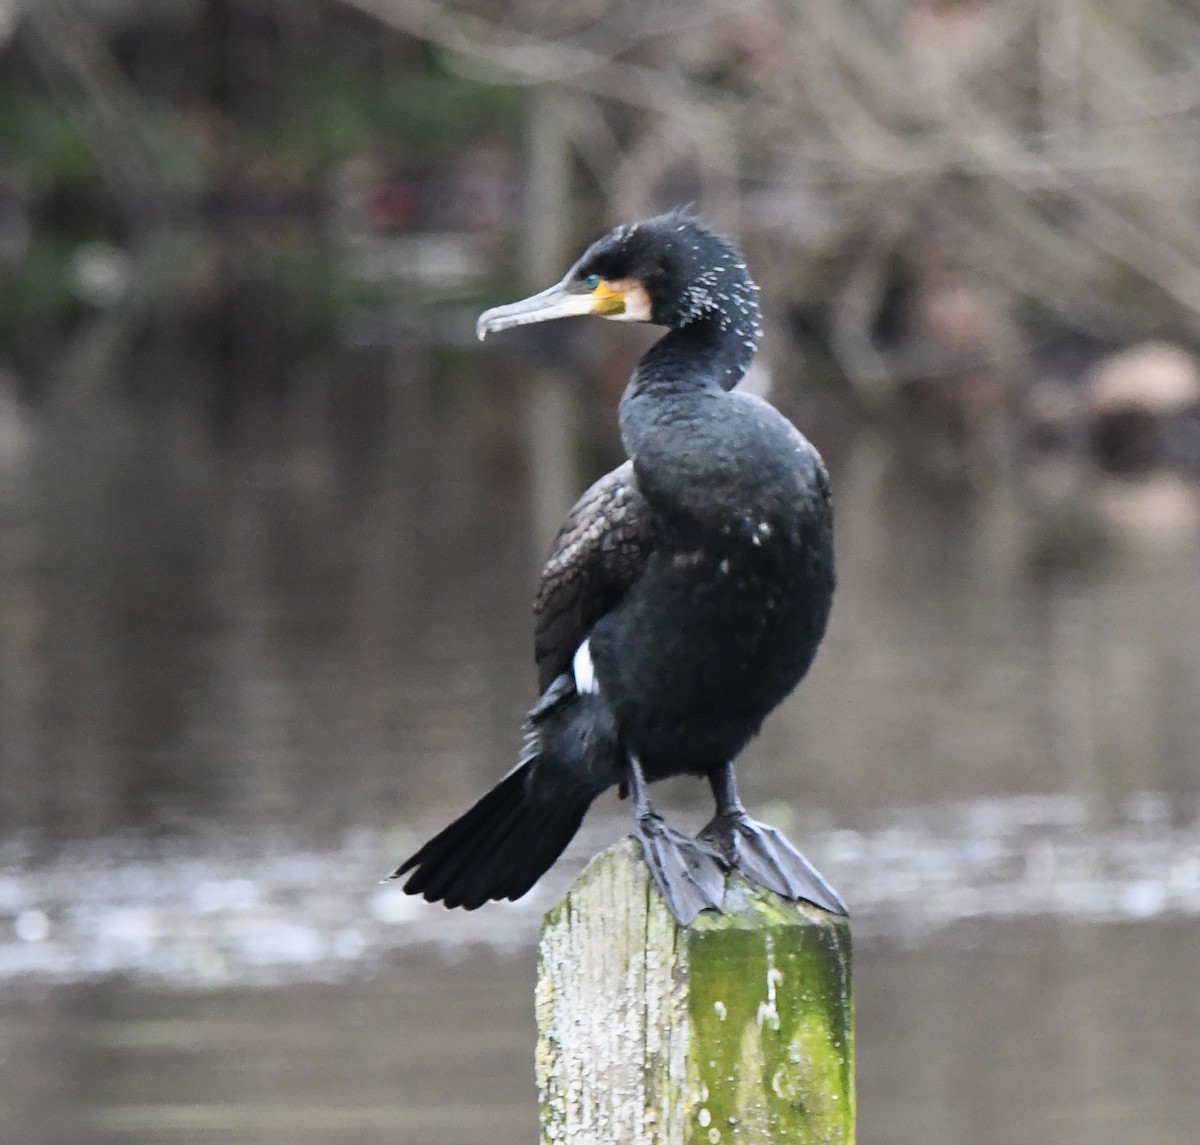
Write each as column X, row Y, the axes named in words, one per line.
column 592, row 281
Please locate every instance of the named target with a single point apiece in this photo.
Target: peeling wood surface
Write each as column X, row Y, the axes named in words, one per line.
column 738, row 1029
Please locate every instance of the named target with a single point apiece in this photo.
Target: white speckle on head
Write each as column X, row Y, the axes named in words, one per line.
column 584, row 670
column 764, row 529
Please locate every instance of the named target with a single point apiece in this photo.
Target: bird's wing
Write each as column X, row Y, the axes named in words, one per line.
column 600, row 551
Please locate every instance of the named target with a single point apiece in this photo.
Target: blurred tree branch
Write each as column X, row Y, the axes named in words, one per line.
column 1049, row 148
column 1044, row 154
column 126, row 137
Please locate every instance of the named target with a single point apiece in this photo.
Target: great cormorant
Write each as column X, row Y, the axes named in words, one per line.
column 685, row 597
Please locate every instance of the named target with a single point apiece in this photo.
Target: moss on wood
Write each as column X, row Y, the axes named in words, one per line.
column 737, row 1029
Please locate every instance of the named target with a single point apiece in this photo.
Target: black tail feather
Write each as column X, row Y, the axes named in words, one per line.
column 451, row 881
column 499, row 847
column 553, row 840
column 465, row 843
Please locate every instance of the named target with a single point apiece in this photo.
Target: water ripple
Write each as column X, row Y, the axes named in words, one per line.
column 221, row 916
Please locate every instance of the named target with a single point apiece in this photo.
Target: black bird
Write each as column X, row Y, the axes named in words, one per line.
column 685, row 597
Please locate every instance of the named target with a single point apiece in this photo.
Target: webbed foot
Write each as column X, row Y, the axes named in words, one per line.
column 689, row 873
column 760, row 852
column 765, row 857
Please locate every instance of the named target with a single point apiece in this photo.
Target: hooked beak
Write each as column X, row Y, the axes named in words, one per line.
column 563, row 300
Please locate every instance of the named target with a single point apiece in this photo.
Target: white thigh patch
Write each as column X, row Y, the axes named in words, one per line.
column 584, row 671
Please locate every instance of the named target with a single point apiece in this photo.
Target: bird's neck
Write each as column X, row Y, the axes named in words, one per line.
column 673, row 409
column 711, row 353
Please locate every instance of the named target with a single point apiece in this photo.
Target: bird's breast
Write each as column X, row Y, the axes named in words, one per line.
column 707, row 643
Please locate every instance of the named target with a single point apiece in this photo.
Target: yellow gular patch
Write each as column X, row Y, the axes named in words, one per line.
column 608, row 300
column 625, row 298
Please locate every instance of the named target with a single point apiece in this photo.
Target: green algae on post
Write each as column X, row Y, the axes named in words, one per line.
column 738, row 1029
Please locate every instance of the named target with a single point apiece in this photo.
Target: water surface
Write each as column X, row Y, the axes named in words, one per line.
column 239, row 679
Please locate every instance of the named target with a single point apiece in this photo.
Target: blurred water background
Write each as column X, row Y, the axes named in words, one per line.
column 270, row 523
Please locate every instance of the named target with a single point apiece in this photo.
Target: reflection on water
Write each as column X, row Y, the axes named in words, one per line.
column 425, row 1052
column 994, row 1035
column 1050, row 1032
column 236, row 685
column 214, row 918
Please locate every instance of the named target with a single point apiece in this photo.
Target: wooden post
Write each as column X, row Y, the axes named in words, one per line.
column 738, row 1029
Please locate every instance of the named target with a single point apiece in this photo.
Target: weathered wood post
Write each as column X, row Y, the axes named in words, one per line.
column 737, row 1029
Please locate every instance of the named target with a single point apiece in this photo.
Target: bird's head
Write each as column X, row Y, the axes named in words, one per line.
column 670, row 270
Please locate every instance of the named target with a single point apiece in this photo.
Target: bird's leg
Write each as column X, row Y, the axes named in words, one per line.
column 760, row 852
column 689, row 873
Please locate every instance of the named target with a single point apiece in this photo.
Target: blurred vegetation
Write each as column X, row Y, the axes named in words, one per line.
column 958, row 208
column 117, row 120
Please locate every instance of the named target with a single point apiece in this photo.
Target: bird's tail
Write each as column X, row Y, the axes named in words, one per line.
column 503, row 844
